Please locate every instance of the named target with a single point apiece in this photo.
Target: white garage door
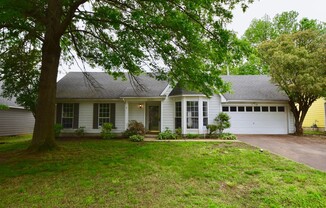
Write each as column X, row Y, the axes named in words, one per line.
column 257, row 119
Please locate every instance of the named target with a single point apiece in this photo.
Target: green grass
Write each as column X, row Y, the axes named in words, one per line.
column 119, row 173
column 309, row 132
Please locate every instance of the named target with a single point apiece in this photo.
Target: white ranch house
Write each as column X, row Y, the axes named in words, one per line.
column 255, row 106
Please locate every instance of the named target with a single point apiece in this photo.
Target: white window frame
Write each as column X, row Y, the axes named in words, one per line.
column 67, row 117
column 192, row 116
column 107, row 118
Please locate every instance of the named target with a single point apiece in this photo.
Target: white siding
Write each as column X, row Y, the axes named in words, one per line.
column 291, row 122
column 167, row 114
column 86, row 117
column 136, row 113
column 214, row 108
column 120, row 117
column 15, row 122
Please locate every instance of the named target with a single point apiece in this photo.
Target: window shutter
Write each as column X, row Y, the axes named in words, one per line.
column 59, row 113
column 95, row 116
column 76, row 115
column 112, row 114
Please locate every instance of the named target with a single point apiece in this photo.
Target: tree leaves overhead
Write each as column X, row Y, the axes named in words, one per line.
column 178, row 40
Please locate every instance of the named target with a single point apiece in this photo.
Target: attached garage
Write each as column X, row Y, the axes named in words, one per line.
column 256, row 106
column 257, row 119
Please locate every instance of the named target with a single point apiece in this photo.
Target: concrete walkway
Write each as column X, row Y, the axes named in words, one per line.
column 188, row 140
column 307, row 150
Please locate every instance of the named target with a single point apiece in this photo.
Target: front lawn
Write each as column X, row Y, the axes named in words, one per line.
column 120, row 173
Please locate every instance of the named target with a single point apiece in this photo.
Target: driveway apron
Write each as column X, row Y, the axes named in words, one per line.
column 307, row 150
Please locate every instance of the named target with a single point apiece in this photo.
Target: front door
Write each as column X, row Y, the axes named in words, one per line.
column 153, row 118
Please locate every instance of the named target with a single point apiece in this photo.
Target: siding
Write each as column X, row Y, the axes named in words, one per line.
column 167, row 114
column 290, row 121
column 316, row 114
column 214, row 108
column 15, row 122
column 136, row 113
column 86, row 118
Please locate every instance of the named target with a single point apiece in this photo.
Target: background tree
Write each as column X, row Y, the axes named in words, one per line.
column 297, row 64
column 187, row 36
column 267, row 28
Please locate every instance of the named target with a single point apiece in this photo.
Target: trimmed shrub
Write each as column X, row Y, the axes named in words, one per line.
column 178, row 132
column 223, row 122
column 106, row 131
column 57, row 129
column 167, row 134
column 80, row 131
column 212, row 128
column 192, row 136
column 136, row 138
column 227, row 136
column 134, row 128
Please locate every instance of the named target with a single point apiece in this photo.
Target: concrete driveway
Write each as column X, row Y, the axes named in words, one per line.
column 307, row 150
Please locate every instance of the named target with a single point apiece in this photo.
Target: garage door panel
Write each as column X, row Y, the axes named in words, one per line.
column 258, row 122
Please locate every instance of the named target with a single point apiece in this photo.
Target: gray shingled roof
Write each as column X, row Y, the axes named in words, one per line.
column 8, row 102
column 177, row 91
column 253, row 87
column 75, row 86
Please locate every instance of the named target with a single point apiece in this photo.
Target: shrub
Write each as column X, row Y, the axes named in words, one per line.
column 136, row 138
column 227, row 136
column 80, row 131
column 192, row 136
column 57, row 129
column 222, row 122
column 212, row 128
column 106, row 131
column 134, row 128
column 167, row 134
column 4, row 107
column 178, row 132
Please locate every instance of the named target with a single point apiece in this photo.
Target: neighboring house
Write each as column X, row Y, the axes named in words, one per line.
column 316, row 115
column 255, row 107
column 15, row 120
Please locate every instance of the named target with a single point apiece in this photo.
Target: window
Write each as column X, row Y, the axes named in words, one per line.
column 272, row 108
column 205, row 114
column 67, row 115
column 281, row 108
column 103, row 113
column 225, row 108
column 241, row 109
column 192, row 114
column 249, row 109
column 264, row 108
column 178, row 113
column 233, row 108
column 257, row 108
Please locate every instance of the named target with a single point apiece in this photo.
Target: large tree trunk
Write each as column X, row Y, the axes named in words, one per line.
column 299, row 116
column 43, row 136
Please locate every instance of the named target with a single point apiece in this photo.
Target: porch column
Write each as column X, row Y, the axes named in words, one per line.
column 126, row 114
column 184, row 116
column 200, row 116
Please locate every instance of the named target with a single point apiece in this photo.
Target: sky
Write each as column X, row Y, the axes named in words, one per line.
column 312, row 9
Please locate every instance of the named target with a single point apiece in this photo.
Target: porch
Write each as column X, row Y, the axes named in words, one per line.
column 146, row 111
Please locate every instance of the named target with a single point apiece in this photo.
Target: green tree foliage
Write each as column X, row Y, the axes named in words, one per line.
column 267, row 28
column 222, row 122
column 298, row 67
column 182, row 41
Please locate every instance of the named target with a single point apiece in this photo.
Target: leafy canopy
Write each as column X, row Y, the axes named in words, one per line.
column 182, row 41
column 297, row 65
column 264, row 29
